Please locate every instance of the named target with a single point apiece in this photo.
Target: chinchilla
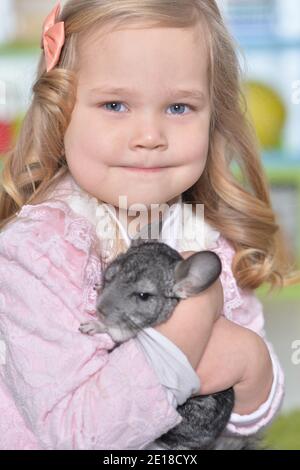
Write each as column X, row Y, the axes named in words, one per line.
column 140, row 289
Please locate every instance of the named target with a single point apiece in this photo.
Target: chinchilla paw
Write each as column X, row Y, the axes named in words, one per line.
column 91, row 328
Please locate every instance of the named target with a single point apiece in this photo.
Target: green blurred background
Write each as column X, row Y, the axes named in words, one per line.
column 268, row 35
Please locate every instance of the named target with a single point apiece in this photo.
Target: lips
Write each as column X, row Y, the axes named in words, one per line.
column 143, row 169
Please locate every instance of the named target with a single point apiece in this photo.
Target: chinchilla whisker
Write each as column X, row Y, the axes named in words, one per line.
column 131, row 323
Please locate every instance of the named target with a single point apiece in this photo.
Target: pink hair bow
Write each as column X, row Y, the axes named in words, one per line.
column 53, row 37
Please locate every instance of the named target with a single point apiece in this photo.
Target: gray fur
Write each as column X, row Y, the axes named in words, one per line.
column 140, row 289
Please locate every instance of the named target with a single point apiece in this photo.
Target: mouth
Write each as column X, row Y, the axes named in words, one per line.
column 144, row 170
column 120, row 334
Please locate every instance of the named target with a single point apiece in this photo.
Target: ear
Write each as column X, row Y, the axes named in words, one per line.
column 196, row 273
column 148, row 233
column 111, row 271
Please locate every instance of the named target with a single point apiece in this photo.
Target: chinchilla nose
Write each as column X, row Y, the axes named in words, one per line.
column 100, row 311
column 100, row 314
column 104, row 305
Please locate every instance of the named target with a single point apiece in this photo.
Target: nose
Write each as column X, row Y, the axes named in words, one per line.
column 105, row 303
column 100, row 314
column 100, row 311
column 148, row 133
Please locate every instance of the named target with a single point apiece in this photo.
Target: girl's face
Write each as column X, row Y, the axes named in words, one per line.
column 160, row 118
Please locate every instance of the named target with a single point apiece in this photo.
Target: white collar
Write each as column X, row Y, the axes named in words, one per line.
column 181, row 229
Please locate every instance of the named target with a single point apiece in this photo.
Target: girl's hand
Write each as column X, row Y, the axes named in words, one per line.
column 236, row 356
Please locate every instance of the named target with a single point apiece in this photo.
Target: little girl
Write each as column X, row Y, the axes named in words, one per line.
column 124, row 87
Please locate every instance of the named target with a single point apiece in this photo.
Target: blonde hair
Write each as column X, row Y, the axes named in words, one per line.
column 241, row 211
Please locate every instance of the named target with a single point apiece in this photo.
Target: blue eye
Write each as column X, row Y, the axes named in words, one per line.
column 113, row 103
column 177, row 105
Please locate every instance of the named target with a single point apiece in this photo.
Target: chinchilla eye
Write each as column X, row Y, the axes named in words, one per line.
column 143, row 295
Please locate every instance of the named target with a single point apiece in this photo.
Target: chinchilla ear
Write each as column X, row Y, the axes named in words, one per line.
column 148, row 233
column 196, row 273
column 112, row 270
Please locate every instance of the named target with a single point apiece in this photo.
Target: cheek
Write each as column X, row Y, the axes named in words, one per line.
column 195, row 132
column 200, row 149
column 194, row 147
column 78, row 138
column 89, row 139
column 192, row 152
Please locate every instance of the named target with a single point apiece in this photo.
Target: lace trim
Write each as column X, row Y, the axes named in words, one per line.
column 93, row 279
column 232, row 294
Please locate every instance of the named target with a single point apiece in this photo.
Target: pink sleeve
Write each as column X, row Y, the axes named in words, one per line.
column 72, row 390
column 242, row 307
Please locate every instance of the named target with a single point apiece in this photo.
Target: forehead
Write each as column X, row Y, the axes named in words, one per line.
column 140, row 55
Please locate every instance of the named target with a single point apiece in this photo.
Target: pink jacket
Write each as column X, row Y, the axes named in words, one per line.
column 60, row 389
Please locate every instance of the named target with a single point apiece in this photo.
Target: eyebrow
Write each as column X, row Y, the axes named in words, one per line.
column 184, row 93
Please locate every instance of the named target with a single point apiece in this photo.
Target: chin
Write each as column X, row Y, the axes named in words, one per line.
column 148, row 202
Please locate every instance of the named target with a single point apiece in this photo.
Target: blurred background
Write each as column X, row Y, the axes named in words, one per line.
column 267, row 33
